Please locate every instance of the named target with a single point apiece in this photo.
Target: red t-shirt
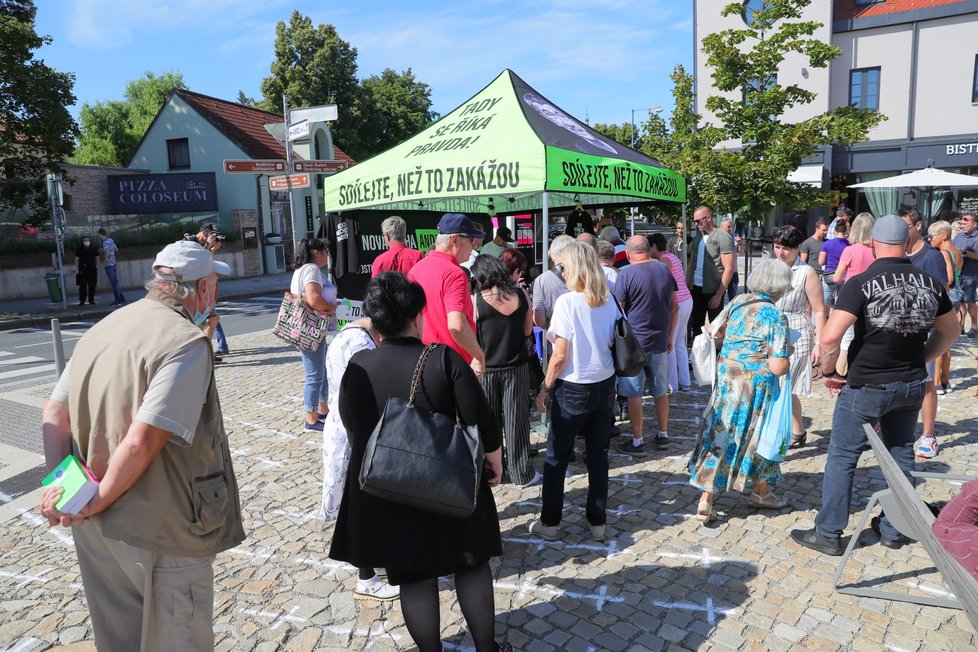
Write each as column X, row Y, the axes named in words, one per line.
column 398, row 258
column 446, row 287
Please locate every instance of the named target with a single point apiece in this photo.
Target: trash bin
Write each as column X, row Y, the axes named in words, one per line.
column 54, row 287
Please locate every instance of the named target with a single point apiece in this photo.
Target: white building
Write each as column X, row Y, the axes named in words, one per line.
column 916, row 61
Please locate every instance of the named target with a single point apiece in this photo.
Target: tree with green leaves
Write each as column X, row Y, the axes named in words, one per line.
column 111, row 130
column 752, row 178
column 36, row 130
column 314, row 66
column 401, row 107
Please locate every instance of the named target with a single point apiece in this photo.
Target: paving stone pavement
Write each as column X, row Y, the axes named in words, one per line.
column 660, row 581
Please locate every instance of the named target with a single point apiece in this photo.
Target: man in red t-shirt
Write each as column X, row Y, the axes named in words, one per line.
column 448, row 315
column 398, row 257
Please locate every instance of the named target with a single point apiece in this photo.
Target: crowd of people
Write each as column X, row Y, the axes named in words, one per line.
column 878, row 290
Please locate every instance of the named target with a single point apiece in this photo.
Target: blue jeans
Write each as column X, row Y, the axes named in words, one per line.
column 222, row 341
column 577, row 409
column 314, row 391
column 114, row 282
column 894, row 407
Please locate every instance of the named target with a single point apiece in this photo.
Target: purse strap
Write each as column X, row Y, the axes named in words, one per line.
column 418, row 371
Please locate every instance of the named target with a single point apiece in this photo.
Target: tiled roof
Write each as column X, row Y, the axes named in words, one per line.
column 243, row 125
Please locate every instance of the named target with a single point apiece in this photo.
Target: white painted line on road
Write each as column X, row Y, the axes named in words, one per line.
column 37, row 520
column 27, row 579
column 23, row 360
column 4, row 354
column 374, row 634
column 23, row 646
column 295, row 516
column 278, row 619
column 710, row 609
column 327, row 565
column 599, row 598
column 26, row 372
column 611, row 550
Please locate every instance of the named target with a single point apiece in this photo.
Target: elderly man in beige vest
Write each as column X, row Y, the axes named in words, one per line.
column 138, row 405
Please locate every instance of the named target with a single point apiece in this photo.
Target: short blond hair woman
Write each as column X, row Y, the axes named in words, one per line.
column 579, row 388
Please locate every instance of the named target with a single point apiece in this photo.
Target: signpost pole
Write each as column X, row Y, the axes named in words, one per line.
column 57, row 222
column 288, row 171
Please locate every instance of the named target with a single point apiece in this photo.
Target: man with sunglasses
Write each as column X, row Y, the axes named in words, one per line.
column 967, row 243
column 711, row 268
column 448, row 316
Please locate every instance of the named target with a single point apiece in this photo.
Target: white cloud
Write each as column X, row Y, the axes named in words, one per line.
column 111, row 24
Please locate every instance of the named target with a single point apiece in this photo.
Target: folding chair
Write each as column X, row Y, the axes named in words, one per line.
column 911, row 517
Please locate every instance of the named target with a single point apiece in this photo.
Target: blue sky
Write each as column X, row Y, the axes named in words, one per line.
column 594, row 58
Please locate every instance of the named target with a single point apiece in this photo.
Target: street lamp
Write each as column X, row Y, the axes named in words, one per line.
column 654, row 109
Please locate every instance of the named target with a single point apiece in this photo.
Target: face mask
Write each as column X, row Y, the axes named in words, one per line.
column 201, row 317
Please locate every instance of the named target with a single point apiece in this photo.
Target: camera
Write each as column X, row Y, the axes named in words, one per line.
column 220, row 237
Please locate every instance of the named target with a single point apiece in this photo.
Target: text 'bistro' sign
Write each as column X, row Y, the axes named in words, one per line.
column 181, row 192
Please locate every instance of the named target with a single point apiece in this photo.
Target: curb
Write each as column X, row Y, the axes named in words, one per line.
column 33, row 321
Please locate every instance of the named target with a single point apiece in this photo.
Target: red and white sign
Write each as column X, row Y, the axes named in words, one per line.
column 254, row 166
column 319, row 167
column 285, row 182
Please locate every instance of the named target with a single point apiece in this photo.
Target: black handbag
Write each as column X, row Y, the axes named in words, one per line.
column 628, row 354
column 423, row 459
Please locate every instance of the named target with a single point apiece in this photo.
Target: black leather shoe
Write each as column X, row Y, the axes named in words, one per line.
column 818, row 542
column 895, row 543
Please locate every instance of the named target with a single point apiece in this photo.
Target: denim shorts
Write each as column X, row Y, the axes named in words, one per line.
column 968, row 285
column 656, row 372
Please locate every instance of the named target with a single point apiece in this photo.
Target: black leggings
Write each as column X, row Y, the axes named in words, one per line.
column 473, row 585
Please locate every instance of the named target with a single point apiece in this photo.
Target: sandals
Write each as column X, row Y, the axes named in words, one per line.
column 767, row 501
column 797, row 441
column 704, row 513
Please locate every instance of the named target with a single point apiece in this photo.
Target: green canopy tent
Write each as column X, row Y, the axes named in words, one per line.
column 506, row 149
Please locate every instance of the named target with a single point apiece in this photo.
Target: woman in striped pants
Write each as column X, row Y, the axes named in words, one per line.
column 503, row 321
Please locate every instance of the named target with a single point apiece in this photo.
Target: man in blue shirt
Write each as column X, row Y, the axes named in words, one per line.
column 967, row 243
column 646, row 291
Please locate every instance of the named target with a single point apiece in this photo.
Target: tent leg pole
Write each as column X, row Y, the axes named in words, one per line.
column 546, row 231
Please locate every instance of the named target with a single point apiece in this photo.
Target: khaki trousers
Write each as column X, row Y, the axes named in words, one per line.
column 145, row 601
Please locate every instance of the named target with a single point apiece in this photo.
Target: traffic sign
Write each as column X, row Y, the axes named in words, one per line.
column 286, row 181
column 324, row 113
column 254, row 166
column 319, row 166
column 299, row 130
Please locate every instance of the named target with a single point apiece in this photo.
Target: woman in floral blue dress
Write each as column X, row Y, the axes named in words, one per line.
column 755, row 354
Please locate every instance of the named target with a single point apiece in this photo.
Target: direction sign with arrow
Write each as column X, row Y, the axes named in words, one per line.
column 318, row 166
column 253, row 166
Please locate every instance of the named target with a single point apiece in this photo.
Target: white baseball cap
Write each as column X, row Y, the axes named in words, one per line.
column 189, row 262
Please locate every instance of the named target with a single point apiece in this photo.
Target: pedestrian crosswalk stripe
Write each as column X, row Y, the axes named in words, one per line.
column 21, row 360
column 16, row 373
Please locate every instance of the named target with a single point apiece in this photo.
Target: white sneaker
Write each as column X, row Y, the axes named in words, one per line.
column 537, row 479
column 375, row 589
column 926, row 447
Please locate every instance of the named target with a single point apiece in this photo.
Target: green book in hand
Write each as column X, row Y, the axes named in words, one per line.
column 77, row 482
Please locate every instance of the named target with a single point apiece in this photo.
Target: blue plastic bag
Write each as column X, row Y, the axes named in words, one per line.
column 774, row 432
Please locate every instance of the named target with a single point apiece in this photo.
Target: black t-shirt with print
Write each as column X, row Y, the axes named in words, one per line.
column 895, row 304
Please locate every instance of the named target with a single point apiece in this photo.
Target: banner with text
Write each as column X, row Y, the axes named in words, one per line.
column 569, row 171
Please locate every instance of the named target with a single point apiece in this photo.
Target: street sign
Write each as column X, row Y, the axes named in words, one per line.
column 318, row 166
column 299, row 130
column 254, row 166
column 323, row 113
column 286, row 181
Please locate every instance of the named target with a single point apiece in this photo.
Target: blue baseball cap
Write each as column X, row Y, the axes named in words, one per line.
column 457, row 223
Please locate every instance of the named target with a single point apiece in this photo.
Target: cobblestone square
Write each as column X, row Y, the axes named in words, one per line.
column 659, row 581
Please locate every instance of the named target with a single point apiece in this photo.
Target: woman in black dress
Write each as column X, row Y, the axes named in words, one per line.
column 415, row 546
column 503, row 321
